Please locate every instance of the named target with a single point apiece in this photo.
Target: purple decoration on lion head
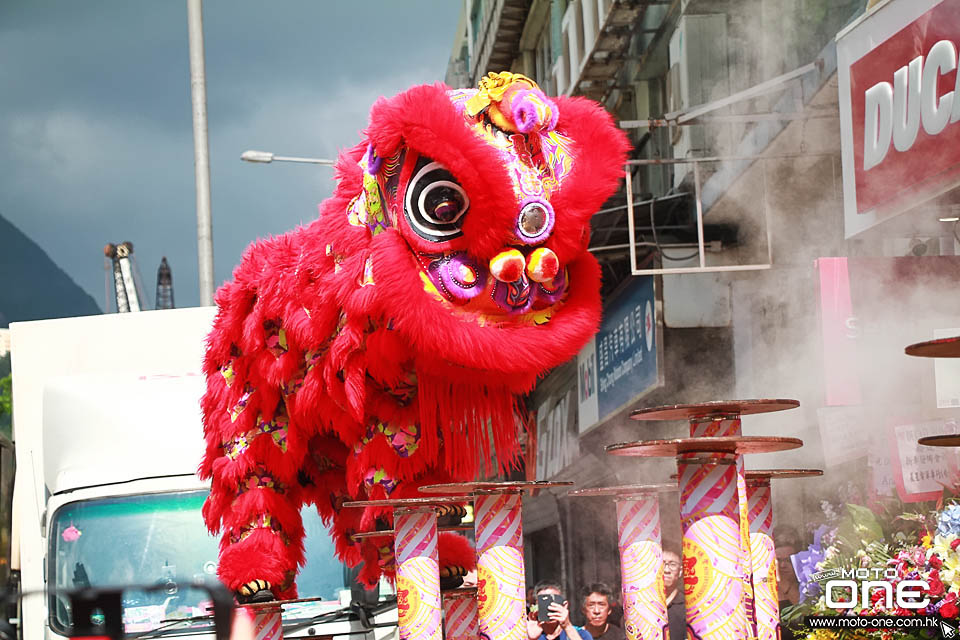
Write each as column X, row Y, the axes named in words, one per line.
column 458, row 276
column 549, row 293
column 532, row 109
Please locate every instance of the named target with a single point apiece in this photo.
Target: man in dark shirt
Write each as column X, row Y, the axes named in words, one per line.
column 596, row 606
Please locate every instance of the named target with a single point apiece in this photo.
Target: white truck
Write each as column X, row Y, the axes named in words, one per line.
column 108, row 439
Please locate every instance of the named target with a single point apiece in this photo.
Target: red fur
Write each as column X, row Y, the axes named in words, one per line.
column 383, row 378
column 456, row 551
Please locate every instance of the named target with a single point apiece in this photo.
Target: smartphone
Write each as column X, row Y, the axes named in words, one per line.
column 543, row 605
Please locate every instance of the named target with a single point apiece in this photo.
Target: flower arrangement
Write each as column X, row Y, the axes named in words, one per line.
column 887, row 545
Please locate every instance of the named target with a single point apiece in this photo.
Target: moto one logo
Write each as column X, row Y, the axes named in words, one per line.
column 894, row 112
column 845, row 594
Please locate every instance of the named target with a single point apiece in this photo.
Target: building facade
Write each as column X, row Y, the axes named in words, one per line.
column 749, row 124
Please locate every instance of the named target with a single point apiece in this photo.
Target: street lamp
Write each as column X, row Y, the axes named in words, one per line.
column 267, row 157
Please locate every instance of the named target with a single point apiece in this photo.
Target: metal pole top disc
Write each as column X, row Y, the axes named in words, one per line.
column 389, row 533
column 410, row 502
column 760, row 475
column 740, row 445
column 461, row 592
column 946, row 440
column 940, row 348
column 624, row 491
column 715, row 408
column 491, row 487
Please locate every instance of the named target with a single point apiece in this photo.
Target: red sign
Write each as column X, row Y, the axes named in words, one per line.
column 905, row 107
column 839, row 331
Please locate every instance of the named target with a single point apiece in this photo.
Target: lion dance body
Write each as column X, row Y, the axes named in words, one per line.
column 384, row 346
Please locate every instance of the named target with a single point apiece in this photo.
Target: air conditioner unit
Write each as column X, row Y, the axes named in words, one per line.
column 698, row 74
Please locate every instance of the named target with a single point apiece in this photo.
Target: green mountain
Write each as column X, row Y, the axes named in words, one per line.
column 32, row 286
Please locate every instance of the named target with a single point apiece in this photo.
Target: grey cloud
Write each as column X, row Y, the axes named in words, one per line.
column 96, row 118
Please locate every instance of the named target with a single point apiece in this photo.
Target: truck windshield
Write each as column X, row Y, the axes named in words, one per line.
column 157, row 539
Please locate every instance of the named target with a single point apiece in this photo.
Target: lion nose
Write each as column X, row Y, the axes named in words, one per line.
column 535, row 222
column 507, row 266
column 542, row 265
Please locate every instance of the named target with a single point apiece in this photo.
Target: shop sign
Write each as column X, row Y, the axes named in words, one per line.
column 557, row 444
column 899, row 97
column 620, row 364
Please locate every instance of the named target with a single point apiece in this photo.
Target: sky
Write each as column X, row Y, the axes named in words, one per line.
column 96, row 137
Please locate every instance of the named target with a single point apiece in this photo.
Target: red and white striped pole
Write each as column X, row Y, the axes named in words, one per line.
column 764, row 559
column 419, row 609
column 730, row 425
column 267, row 623
column 763, row 552
column 712, row 567
column 501, row 598
column 460, row 617
column 415, row 539
column 641, row 567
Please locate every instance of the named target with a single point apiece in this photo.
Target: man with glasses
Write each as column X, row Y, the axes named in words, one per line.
column 673, row 594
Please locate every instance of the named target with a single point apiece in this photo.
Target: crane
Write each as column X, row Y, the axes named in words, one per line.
column 126, row 277
column 164, row 285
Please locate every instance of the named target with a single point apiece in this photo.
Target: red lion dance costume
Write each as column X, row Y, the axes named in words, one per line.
column 384, row 346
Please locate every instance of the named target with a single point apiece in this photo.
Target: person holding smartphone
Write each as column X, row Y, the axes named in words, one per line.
column 551, row 621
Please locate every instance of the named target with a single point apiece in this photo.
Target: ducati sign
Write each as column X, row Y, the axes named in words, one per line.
column 899, row 108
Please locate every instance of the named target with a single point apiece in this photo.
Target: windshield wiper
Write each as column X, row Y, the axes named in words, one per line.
column 159, row 631
column 356, row 610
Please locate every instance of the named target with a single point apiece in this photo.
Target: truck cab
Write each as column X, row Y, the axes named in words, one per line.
column 108, row 438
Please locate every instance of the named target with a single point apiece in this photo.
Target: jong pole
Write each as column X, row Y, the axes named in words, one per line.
column 717, row 570
column 764, row 560
column 730, row 425
column 502, row 591
column 641, row 557
column 712, row 566
column 267, row 622
column 763, row 553
column 641, row 567
column 419, row 609
column 460, row 616
column 502, row 598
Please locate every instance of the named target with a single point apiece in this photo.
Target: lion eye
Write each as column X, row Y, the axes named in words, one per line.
column 435, row 203
column 443, row 204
